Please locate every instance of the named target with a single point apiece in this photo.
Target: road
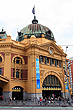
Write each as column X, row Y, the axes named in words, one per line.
column 35, row 108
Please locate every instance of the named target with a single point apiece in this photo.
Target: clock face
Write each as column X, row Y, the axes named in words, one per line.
column 51, row 51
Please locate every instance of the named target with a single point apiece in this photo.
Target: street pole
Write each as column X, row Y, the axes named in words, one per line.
column 67, row 79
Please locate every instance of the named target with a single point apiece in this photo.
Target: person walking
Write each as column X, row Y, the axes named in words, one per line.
column 14, row 98
column 37, row 100
column 59, row 100
column 40, row 101
column 2, row 97
column 29, row 100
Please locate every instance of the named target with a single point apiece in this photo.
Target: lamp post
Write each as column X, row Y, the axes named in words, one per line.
column 67, row 79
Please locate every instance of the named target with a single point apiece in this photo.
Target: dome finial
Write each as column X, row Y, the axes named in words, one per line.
column 34, row 21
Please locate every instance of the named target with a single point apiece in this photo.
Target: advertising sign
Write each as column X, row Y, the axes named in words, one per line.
column 66, row 85
column 37, row 74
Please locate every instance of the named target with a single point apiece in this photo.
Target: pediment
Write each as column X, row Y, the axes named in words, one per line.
column 52, row 48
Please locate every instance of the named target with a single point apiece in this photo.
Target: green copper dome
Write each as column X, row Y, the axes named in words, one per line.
column 35, row 29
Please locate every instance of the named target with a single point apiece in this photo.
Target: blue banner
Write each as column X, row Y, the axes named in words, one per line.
column 37, row 74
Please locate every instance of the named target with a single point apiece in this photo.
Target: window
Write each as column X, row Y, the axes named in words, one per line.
column 13, row 73
column 17, row 60
column 52, row 61
column 17, row 73
column 59, row 63
column 51, row 81
column 42, row 59
column 51, row 51
column 47, row 60
column 55, row 62
column 21, row 73
column 0, row 59
column 0, row 71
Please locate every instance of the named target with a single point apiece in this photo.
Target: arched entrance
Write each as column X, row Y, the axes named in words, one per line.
column 51, row 87
column 17, row 92
column 1, row 93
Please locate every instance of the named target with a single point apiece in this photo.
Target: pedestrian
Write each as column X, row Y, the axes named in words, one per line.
column 37, row 100
column 29, row 100
column 49, row 100
column 43, row 101
column 59, row 100
column 40, row 101
column 2, row 97
column 14, row 98
column 10, row 98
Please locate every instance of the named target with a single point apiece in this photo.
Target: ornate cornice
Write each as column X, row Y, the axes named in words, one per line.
column 17, row 46
column 5, row 44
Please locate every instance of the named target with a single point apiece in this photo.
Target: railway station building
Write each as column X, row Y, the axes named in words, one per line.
column 31, row 65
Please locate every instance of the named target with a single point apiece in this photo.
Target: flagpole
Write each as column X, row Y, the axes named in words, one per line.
column 34, row 12
column 34, row 21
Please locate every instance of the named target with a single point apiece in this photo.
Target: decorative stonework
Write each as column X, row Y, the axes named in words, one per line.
column 7, row 53
column 52, row 73
column 42, row 72
column 33, row 40
column 61, row 76
column 18, row 56
column 2, row 56
column 33, row 64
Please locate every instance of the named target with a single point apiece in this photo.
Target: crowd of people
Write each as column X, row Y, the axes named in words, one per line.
column 48, row 100
column 45, row 100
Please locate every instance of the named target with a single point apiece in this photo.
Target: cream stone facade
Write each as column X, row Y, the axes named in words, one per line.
column 18, row 68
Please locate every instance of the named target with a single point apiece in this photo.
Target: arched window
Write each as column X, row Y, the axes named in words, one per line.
column 0, row 59
column 51, row 80
column 17, row 60
column 17, row 71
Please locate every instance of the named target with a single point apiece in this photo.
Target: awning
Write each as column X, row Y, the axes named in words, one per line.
column 4, row 79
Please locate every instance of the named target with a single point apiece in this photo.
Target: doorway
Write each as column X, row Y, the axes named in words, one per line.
column 51, row 87
column 17, row 92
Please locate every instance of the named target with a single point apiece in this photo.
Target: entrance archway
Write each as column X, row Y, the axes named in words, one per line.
column 1, row 93
column 51, row 87
column 17, row 92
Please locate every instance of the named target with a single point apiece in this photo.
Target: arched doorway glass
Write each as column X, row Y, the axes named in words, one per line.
column 17, row 92
column 1, row 93
column 51, row 87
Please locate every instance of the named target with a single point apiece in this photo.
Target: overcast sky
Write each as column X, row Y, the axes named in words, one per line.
column 55, row 14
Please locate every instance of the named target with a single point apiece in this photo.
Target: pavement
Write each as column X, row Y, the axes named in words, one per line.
column 34, row 104
column 34, row 108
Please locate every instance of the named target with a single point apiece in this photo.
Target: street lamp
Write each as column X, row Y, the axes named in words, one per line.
column 67, row 79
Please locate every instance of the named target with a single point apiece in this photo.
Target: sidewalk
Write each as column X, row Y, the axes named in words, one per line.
column 26, row 103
